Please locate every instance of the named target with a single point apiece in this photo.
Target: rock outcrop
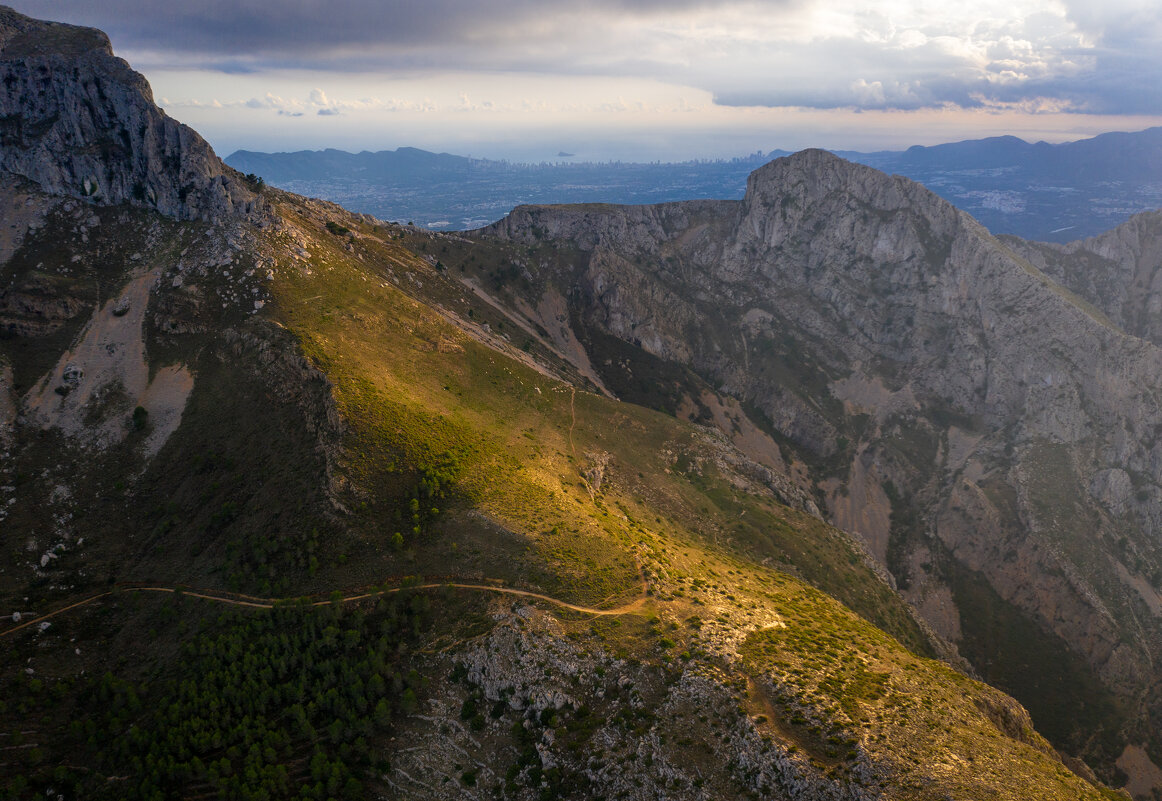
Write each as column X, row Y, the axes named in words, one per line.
column 1119, row 272
column 175, row 406
column 80, row 122
column 1014, row 425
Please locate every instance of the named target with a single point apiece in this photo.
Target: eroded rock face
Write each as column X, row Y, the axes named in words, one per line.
column 1028, row 449
column 79, row 121
column 1119, row 272
column 526, row 671
column 96, row 384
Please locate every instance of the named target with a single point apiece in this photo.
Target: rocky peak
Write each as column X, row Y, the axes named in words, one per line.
column 78, row 121
column 815, row 186
column 591, row 226
column 1119, row 271
column 885, row 270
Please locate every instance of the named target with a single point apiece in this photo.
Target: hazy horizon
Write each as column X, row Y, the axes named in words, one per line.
column 562, row 157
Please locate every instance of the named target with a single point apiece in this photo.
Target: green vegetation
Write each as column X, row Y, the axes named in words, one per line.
column 236, row 499
column 504, row 439
column 279, row 704
column 365, row 426
column 846, row 688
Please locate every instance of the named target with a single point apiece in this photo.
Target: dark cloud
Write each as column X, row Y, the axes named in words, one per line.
column 333, row 31
column 1128, row 56
column 1036, row 61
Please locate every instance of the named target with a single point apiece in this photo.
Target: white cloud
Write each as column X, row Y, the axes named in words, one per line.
column 272, row 101
column 891, row 54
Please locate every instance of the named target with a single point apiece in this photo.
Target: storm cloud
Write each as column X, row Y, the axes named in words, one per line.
column 1064, row 55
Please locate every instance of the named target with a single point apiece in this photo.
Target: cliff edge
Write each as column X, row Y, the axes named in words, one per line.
column 78, row 121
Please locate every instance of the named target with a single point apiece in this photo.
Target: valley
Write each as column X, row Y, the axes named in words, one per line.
column 1047, row 193
column 824, row 493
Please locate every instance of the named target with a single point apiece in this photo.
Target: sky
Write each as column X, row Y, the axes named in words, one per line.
column 636, row 80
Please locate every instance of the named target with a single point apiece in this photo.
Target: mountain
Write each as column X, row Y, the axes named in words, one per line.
column 1106, row 157
column 986, row 430
column 104, row 138
column 444, row 192
column 301, row 504
column 1044, row 192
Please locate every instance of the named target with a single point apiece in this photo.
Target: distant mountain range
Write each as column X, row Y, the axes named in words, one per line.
column 1054, row 193
column 447, row 192
column 693, row 500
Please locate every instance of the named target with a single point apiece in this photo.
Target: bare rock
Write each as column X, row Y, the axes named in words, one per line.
column 80, row 122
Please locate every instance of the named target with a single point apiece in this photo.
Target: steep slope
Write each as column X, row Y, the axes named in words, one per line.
column 78, row 121
column 507, row 585
column 1117, row 272
column 560, row 492
column 986, row 432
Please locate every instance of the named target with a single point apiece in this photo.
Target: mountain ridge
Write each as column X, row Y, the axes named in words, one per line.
column 1039, row 191
column 108, row 140
column 363, row 404
column 876, row 271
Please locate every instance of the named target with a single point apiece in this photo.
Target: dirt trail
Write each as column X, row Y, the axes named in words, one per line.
column 269, row 603
column 238, row 599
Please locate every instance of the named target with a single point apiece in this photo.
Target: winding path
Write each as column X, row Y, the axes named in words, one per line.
column 238, row 599
column 269, row 603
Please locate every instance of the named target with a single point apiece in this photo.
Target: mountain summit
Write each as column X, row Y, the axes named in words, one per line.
column 702, row 500
column 77, row 120
column 987, row 432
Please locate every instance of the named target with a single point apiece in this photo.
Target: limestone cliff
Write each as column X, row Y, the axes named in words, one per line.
column 1007, row 427
column 263, row 394
column 1119, row 272
column 79, row 121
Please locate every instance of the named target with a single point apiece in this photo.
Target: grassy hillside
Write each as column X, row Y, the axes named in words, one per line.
column 426, row 439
